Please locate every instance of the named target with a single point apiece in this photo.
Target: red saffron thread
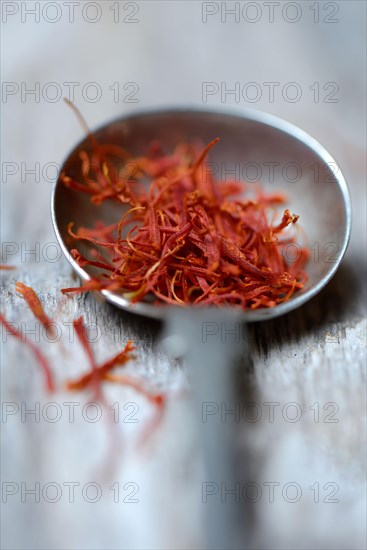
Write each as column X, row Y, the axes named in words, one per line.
column 94, row 377
column 97, row 373
column 41, row 359
column 35, row 305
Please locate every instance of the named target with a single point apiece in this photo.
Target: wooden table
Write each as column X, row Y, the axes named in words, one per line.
column 308, row 366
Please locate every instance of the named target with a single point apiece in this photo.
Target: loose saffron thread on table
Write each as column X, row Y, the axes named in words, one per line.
column 35, row 305
column 97, row 374
column 40, row 357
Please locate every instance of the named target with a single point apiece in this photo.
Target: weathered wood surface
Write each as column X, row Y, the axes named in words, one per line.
column 314, row 357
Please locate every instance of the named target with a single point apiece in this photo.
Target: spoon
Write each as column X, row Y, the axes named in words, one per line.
column 254, row 146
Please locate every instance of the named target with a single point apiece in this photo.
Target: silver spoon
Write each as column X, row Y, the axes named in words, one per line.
column 253, row 145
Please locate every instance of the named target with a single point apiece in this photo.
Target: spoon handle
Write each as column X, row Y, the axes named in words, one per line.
column 210, row 344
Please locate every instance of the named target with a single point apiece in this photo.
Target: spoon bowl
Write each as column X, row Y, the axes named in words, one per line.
column 254, row 147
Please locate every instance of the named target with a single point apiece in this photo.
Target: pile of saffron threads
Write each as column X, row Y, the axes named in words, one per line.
column 183, row 237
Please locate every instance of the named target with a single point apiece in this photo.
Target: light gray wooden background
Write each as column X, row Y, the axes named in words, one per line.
column 313, row 357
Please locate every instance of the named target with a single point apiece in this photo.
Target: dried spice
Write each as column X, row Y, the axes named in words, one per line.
column 41, row 359
column 183, row 237
column 35, row 305
column 97, row 374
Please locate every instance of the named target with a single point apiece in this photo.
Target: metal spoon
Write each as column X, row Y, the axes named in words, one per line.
column 253, row 146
